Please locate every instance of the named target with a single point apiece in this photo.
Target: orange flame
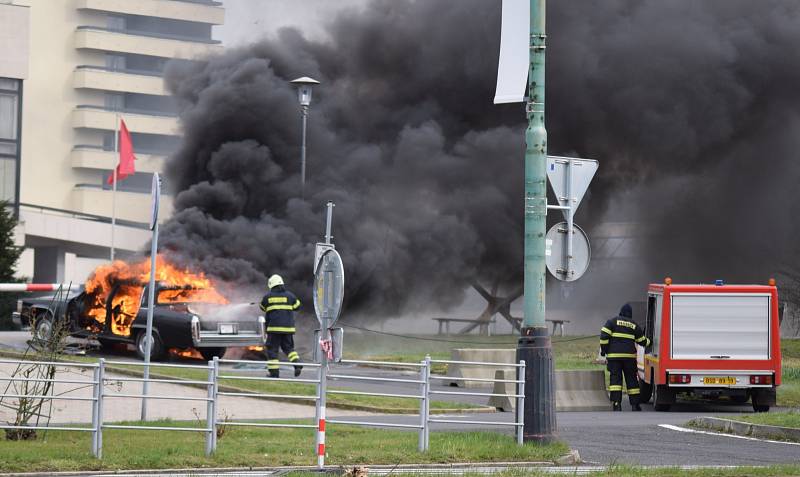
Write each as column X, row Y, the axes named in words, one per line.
column 190, row 353
column 127, row 281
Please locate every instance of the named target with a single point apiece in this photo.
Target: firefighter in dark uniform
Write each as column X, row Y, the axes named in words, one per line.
column 279, row 306
column 618, row 340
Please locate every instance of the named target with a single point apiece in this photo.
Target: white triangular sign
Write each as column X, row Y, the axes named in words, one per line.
column 580, row 171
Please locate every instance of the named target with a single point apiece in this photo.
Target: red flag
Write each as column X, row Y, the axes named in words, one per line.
column 126, row 166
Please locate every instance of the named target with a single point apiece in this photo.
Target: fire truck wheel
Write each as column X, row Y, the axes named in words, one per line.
column 663, row 397
column 645, row 392
column 211, row 353
column 156, row 349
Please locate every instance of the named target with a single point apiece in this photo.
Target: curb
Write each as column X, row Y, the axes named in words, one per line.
column 747, row 429
column 280, row 470
column 333, row 405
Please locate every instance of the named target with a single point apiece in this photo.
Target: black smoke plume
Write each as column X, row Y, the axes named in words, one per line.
column 691, row 107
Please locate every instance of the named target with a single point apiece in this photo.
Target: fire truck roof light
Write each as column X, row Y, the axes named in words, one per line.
column 718, row 283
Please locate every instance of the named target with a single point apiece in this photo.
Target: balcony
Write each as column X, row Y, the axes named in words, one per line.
column 145, row 43
column 98, row 117
column 196, row 11
column 132, row 207
column 124, row 81
column 91, row 157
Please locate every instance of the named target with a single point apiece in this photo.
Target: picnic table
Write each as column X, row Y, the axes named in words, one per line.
column 557, row 325
column 445, row 323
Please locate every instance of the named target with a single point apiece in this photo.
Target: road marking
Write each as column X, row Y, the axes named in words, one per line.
column 695, row 431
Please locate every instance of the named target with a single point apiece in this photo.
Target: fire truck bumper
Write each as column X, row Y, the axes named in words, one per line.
column 720, row 379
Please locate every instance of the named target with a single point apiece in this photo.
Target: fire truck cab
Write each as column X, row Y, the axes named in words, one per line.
column 711, row 341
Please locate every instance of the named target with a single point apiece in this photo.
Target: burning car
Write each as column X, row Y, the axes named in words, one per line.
column 188, row 312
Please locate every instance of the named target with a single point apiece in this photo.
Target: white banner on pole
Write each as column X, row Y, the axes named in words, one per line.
column 512, row 70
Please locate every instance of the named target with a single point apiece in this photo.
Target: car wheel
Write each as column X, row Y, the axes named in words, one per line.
column 662, row 398
column 211, row 353
column 156, row 348
column 43, row 329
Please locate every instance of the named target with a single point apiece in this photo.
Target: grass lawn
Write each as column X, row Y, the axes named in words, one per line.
column 789, row 390
column 783, row 419
column 246, row 447
column 571, row 352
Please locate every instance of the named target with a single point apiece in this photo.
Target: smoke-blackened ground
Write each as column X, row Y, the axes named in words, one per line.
column 691, row 107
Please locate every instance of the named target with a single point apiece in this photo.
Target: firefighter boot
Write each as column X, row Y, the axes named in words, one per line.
column 636, row 407
column 274, row 373
column 615, row 406
column 297, row 371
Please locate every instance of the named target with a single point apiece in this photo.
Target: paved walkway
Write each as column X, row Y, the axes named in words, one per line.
column 129, row 409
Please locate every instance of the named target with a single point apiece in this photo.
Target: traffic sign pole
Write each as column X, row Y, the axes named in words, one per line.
column 534, row 345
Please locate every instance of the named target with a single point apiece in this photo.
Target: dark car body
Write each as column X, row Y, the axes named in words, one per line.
column 175, row 325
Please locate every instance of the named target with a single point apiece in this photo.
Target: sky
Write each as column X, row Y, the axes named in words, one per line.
column 248, row 20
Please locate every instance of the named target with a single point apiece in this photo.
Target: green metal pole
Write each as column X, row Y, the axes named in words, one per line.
column 534, row 344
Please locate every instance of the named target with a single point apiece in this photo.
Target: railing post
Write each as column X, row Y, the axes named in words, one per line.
column 101, row 376
column 427, row 410
column 216, row 399
column 422, row 402
column 211, row 409
column 520, row 401
column 95, row 403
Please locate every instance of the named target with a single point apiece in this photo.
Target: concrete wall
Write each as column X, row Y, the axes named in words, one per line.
column 14, row 41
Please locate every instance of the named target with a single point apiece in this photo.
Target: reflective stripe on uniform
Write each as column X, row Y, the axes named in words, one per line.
column 293, row 356
column 273, row 364
column 633, row 391
column 621, row 355
column 622, row 335
column 605, row 330
column 280, row 329
column 602, row 342
column 278, row 299
column 296, row 305
column 615, row 387
column 279, row 307
column 642, row 338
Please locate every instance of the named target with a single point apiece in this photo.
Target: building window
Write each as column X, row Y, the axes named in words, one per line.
column 10, row 115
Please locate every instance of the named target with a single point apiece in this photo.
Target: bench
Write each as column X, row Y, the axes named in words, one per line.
column 445, row 323
column 557, row 325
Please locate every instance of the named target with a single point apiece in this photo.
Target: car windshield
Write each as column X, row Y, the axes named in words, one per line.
column 186, row 295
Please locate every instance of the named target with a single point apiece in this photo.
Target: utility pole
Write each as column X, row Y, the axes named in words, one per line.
column 534, row 345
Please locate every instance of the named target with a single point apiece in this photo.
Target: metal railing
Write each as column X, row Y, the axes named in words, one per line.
column 96, row 400
column 419, row 380
column 421, row 395
column 518, row 395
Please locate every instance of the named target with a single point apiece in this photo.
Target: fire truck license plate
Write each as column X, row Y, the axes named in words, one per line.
column 720, row 380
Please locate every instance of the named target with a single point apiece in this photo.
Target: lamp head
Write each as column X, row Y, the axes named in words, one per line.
column 304, row 89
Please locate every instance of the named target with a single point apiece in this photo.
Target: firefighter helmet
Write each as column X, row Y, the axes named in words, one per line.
column 274, row 281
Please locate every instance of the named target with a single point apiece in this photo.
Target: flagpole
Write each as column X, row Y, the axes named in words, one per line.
column 114, row 186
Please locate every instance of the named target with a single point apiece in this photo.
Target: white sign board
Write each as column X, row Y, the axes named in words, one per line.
column 329, row 288
column 512, row 70
column 570, row 179
column 559, row 263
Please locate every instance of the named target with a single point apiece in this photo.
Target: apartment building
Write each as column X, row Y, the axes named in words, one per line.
column 90, row 63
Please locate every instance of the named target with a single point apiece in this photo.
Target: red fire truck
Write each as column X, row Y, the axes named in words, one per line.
column 711, row 341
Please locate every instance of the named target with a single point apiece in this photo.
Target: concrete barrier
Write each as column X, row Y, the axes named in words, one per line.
column 580, row 390
column 478, row 372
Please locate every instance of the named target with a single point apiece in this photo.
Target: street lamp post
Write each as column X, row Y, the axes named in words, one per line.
column 305, row 86
column 534, row 345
